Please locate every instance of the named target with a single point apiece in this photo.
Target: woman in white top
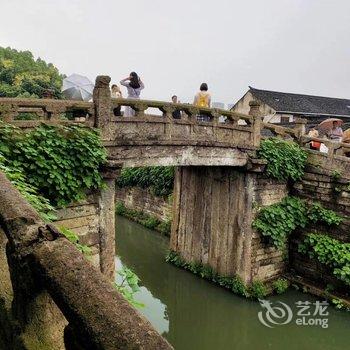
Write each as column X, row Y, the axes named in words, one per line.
column 134, row 86
column 203, row 99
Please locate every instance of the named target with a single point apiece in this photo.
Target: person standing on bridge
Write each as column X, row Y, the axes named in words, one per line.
column 116, row 93
column 203, row 99
column 177, row 113
column 134, row 86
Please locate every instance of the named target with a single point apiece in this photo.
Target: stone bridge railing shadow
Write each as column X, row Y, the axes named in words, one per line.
column 51, row 296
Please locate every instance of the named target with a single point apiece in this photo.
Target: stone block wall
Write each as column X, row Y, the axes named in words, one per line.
column 83, row 219
column 332, row 190
column 268, row 262
column 143, row 200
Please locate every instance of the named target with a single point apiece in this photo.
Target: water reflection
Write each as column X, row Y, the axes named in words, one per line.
column 194, row 314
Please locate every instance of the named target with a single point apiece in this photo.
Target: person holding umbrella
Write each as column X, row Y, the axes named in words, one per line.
column 336, row 133
column 332, row 128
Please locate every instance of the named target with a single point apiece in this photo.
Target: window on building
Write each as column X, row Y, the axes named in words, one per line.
column 284, row 120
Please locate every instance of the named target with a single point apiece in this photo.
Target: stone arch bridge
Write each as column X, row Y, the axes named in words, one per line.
column 219, row 183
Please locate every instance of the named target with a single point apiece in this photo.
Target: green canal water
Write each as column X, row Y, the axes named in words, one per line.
column 194, row 314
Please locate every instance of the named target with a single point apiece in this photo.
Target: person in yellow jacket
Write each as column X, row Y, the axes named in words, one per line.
column 203, row 99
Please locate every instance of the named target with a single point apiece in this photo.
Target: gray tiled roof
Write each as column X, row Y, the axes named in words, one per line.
column 304, row 104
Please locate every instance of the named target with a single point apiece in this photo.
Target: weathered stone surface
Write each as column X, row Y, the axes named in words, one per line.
column 139, row 155
column 320, row 184
column 100, row 316
column 76, row 211
column 46, row 270
column 143, row 200
column 107, row 229
column 213, row 214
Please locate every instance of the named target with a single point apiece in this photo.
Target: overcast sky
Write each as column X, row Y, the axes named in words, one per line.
column 298, row 46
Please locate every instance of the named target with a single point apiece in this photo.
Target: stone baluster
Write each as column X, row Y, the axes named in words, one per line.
column 139, row 109
column 167, row 111
column 192, row 113
column 300, row 127
column 53, row 112
column 257, row 122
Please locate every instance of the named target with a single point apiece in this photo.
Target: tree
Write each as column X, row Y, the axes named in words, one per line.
column 23, row 76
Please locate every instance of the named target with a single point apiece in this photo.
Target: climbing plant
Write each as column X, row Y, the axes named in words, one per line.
column 62, row 162
column 30, row 192
column 279, row 220
column 159, row 179
column 329, row 251
column 285, row 159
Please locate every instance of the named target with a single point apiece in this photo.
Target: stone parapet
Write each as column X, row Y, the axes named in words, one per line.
column 52, row 284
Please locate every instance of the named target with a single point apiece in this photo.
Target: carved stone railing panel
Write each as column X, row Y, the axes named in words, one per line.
column 222, row 126
column 30, row 112
column 280, row 131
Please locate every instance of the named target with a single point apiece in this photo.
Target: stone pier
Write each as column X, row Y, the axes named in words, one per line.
column 214, row 208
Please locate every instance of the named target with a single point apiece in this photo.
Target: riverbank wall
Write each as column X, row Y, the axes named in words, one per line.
column 142, row 199
column 330, row 188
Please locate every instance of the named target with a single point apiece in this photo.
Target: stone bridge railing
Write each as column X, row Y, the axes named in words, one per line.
column 154, row 137
column 26, row 113
column 51, row 296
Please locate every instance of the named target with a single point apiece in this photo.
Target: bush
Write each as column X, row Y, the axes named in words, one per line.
column 280, row 285
column 159, row 179
column 258, row 290
column 285, row 159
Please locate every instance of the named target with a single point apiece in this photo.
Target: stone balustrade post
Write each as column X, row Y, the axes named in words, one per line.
column 107, row 221
column 103, row 104
column 257, row 123
column 300, row 126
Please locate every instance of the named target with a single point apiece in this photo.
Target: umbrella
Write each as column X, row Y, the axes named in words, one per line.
column 346, row 136
column 77, row 87
column 327, row 124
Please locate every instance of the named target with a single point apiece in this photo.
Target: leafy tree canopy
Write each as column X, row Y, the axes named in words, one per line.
column 23, row 76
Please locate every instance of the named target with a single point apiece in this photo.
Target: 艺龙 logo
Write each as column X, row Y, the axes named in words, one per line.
column 274, row 315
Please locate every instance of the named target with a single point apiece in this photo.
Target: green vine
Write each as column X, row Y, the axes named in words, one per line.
column 329, row 251
column 62, row 162
column 29, row 192
column 279, row 220
column 286, row 159
column 159, row 179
